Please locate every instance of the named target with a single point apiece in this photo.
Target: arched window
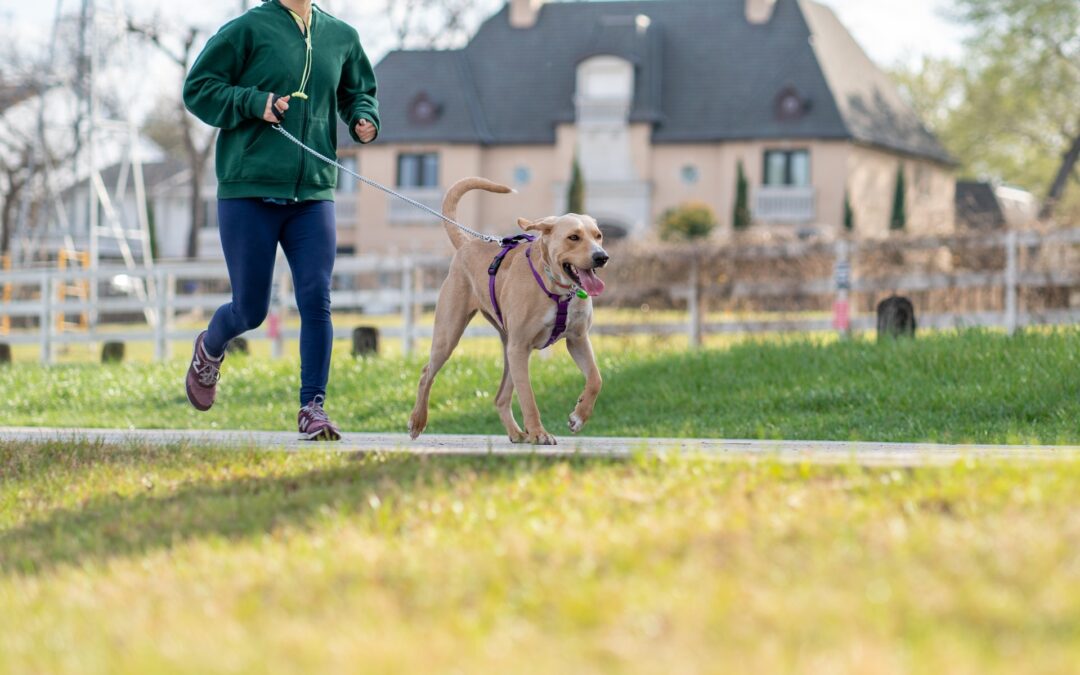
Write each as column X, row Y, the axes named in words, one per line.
column 605, row 89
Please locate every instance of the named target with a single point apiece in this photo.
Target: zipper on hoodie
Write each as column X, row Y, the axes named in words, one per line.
column 303, row 155
column 304, row 124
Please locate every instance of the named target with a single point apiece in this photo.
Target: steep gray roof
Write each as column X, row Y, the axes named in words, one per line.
column 703, row 73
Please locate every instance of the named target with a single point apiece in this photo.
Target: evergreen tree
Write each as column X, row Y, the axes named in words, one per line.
column 575, row 196
column 741, row 217
column 849, row 215
column 899, row 209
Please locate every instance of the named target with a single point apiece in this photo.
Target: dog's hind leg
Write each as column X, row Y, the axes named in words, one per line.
column 580, row 348
column 504, row 402
column 453, row 312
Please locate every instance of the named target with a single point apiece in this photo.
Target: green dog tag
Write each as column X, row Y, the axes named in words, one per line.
column 582, row 294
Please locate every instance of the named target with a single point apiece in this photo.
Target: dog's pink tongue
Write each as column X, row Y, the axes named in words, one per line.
column 590, row 282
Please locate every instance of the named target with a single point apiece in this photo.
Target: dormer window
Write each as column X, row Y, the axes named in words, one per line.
column 423, row 111
column 789, row 105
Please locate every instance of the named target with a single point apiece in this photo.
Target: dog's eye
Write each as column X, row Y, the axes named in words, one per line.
column 574, row 237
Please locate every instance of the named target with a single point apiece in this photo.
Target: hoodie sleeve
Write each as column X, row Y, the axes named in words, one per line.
column 209, row 92
column 357, row 90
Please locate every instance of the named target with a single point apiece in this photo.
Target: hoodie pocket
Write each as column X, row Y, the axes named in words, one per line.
column 269, row 157
column 320, row 138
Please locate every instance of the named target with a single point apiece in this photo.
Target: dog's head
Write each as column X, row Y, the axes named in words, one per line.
column 573, row 246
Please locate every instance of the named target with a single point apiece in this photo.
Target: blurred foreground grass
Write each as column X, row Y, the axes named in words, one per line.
column 140, row 560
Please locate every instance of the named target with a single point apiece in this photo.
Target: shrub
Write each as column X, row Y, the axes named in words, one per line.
column 687, row 222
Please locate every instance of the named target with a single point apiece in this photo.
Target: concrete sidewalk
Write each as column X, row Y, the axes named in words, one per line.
column 821, row 452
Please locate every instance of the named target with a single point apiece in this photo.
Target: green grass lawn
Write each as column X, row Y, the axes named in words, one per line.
column 954, row 387
column 142, row 560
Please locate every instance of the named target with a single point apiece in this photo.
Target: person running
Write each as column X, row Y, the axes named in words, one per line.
column 270, row 191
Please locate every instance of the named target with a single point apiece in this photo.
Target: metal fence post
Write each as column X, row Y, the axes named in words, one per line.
column 408, row 319
column 1012, row 278
column 45, row 320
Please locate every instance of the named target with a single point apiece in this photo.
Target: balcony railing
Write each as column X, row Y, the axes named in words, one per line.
column 403, row 213
column 345, row 213
column 784, row 204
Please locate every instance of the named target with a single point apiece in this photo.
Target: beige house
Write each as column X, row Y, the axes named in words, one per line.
column 659, row 101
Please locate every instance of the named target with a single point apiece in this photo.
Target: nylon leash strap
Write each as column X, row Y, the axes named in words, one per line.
column 379, row 186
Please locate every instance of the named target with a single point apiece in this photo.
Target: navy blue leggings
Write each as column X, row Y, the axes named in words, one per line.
column 251, row 230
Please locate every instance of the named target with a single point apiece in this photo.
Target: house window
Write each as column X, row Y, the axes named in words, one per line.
column 922, row 180
column 418, row 170
column 346, row 183
column 787, row 167
column 210, row 214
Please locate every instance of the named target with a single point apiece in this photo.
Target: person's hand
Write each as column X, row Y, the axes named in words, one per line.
column 365, row 131
column 282, row 106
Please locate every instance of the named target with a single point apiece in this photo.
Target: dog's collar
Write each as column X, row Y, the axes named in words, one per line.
column 555, row 278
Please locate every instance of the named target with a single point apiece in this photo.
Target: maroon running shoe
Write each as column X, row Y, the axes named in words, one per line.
column 202, row 376
column 314, row 424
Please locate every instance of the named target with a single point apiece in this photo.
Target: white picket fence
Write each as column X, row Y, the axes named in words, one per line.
column 401, row 291
column 167, row 283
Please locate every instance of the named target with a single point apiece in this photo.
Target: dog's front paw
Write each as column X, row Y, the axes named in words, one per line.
column 541, row 438
column 416, row 426
column 575, row 422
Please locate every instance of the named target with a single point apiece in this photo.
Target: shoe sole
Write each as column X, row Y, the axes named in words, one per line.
column 192, row 401
column 322, row 435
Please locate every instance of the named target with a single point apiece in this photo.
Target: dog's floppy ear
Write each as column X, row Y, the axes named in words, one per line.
column 542, row 226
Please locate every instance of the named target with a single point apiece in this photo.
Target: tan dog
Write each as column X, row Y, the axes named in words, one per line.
column 566, row 254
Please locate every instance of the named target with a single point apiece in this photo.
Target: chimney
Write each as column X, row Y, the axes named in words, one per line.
column 523, row 13
column 759, row 11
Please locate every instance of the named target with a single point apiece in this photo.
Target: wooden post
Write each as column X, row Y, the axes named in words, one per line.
column 161, row 341
column 842, row 287
column 1011, row 281
column 170, row 310
column 408, row 318
column 694, row 302
column 276, row 322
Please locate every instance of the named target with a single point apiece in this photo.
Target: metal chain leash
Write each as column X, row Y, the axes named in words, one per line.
column 379, row 186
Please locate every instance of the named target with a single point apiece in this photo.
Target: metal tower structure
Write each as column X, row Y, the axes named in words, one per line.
column 98, row 139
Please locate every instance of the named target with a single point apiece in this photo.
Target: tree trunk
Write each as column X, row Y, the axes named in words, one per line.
column 1057, row 188
column 198, row 212
column 7, row 216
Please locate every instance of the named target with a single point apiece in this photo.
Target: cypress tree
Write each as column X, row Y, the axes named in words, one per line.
column 899, row 210
column 849, row 215
column 741, row 217
column 575, row 194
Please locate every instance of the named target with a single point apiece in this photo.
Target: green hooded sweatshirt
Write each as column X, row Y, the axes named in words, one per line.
column 264, row 51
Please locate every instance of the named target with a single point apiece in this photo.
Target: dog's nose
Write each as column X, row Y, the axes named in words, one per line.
column 600, row 258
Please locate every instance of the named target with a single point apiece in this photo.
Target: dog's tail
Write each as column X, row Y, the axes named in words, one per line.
column 454, row 195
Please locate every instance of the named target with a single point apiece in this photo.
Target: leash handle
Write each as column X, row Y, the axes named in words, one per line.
column 273, row 108
column 379, row 186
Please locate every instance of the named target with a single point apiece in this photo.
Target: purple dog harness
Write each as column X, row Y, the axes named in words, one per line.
column 562, row 303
